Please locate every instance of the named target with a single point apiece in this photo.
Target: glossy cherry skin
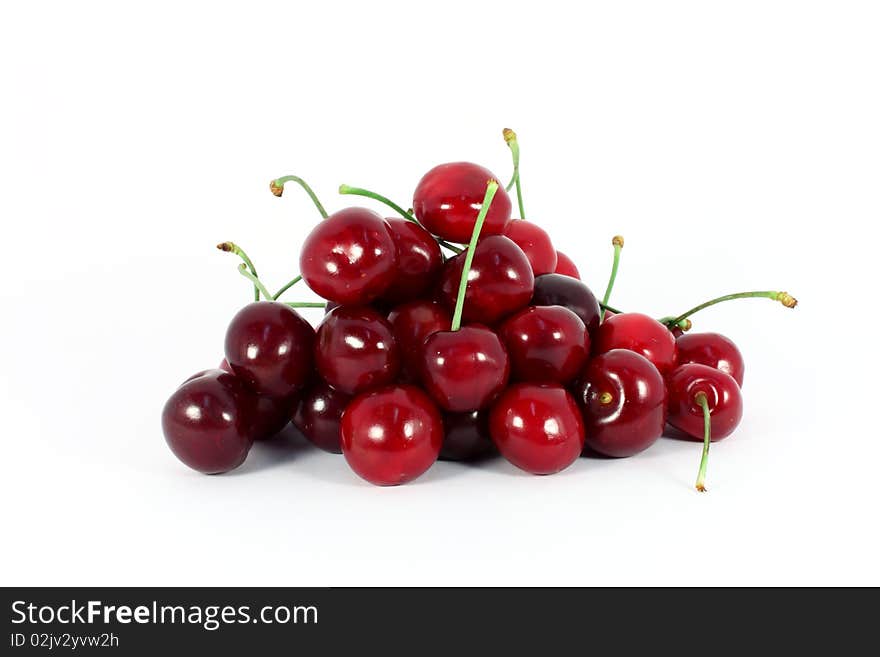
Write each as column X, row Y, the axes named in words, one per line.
column 467, row 436
column 546, row 344
column 568, row 292
column 350, row 257
column 500, row 281
column 566, row 266
column 722, row 395
column 391, row 435
column 641, row 334
column 272, row 414
column 535, row 243
column 714, row 350
column 318, row 415
column 623, row 397
column 464, row 370
column 355, row 349
column 208, row 422
column 269, row 347
column 419, row 260
column 538, row 428
column 448, row 199
column 412, row 323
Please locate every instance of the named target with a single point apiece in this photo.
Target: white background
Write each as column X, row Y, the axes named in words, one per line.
column 735, row 145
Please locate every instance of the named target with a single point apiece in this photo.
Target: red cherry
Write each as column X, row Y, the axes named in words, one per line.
column 714, row 350
column 535, row 243
column 449, row 197
column 546, row 344
column 565, row 291
column 639, row 333
column 355, row 349
column 537, row 427
column 723, row 397
column 419, row 260
column 413, row 322
column 319, row 415
column 464, row 370
column 566, row 266
column 391, row 435
column 500, row 280
column 467, row 436
column 208, row 422
column 623, row 397
column 272, row 414
column 350, row 257
column 269, row 347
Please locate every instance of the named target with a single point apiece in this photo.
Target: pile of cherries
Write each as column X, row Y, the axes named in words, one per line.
column 429, row 349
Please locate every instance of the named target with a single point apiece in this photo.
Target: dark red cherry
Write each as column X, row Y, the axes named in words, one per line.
column 269, row 347
column 318, row 416
column 538, row 428
column 418, row 261
column 639, row 333
column 714, row 350
column 546, row 344
column 464, row 370
column 449, row 197
column 566, row 266
column 568, row 292
column 355, row 349
column 208, row 422
column 271, row 414
column 391, row 435
column 350, row 257
column 467, row 436
column 500, row 281
column 535, row 243
column 623, row 397
column 413, row 322
column 723, row 397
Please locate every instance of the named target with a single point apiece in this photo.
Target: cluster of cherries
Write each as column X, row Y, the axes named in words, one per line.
column 421, row 354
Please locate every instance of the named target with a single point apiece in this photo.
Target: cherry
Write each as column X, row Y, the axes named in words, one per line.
column 623, row 397
column 566, row 266
column 350, row 257
column 269, row 347
column 639, row 333
column 546, row 344
column 568, row 292
column 448, row 199
column 538, row 428
column 391, row 435
column 271, row 414
column 319, row 414
column 714, row 350
column 500, row 281
column 208, row 422
column 706, row 404
column 535, row 243
column 413, row 322
column 419, row 260
column 356, row 350
column 467, row 436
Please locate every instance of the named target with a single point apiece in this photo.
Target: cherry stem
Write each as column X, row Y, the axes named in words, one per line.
column 231, row 247
column 782, row 297
column 258, row 284
column 700, row 398
column 284, row 289
column 491, row 188
column 605, row 306
column 617, row 242
column 359, row 191
column 510, row 138
column 277, row 187
column 305, row 304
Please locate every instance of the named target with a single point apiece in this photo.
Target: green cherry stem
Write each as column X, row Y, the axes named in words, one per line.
column 617, row 242
column 700, row 398
column 510, row 138
column 782, row 297
column 305, row 304
column 491, row 188
column 287, row 286
column 360, row 191
column 243, row 270
column 605, row 306
column 231, row 247
column 277, row 187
